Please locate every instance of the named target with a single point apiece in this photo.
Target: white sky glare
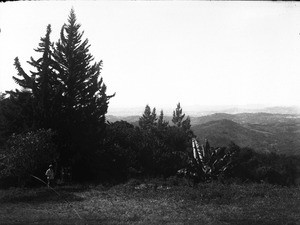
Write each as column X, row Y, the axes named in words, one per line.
column 164, row 52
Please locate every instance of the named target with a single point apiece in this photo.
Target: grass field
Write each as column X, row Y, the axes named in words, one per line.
column 153, row 202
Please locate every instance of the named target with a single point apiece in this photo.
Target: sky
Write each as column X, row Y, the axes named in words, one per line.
column 198, row 53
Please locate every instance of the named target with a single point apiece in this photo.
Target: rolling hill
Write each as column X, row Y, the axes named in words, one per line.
column 282, row 138
column 252, row 118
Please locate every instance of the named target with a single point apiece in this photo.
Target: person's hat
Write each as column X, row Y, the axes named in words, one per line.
column 50, row 166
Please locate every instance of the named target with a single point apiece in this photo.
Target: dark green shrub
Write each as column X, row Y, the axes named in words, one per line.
column 271, row 168
column 29, row 154
column 134, row 152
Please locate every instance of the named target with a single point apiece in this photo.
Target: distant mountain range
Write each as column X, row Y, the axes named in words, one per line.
column 196, row 111
column 264, row 132
column 253, row 109
column 253, row 118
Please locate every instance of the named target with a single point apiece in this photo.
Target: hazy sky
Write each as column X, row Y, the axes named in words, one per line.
column 164, row 52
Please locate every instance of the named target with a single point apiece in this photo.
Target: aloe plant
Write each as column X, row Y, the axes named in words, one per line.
column 210, row 163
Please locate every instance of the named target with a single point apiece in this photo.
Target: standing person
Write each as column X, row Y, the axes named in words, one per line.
column 50, row 175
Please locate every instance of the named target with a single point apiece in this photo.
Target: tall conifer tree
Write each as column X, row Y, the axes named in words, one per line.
column 45, row 90
column 84, row 99
column 40, row 83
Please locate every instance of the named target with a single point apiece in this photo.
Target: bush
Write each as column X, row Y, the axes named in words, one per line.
column 28, row 154
column 271, row 168
column 132, row 152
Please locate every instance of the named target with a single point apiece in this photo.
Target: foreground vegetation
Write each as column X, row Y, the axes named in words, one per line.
column 152, row 202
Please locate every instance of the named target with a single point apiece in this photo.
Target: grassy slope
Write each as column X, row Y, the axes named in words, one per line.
column 123, row 204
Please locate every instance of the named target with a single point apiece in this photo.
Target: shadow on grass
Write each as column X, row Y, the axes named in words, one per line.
column 39, row 195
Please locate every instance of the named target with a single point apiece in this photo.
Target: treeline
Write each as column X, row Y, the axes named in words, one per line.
column 153, row 149
column 58, row 117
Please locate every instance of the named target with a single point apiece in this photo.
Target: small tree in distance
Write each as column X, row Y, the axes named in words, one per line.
column 148, row 119
column 161, row 123
column 178, row 116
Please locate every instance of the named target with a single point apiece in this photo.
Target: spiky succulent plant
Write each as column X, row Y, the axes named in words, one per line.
column 210, row 163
